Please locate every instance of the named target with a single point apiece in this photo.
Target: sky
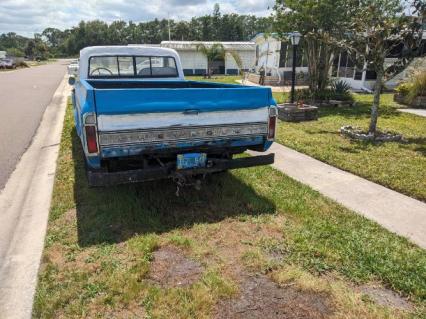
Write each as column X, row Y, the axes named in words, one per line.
column 27, row 17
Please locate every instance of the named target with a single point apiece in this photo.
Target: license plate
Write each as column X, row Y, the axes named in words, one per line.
column 191, row 160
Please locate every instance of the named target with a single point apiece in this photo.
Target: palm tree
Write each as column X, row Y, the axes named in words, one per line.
column 217, row 51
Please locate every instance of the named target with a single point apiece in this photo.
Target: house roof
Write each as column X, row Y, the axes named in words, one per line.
column 265, row 36
column 192, row 45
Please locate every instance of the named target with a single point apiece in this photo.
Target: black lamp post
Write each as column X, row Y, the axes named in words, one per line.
column 295, row 39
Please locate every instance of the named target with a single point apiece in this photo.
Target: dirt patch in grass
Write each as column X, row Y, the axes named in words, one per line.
column 226, row 243
column 126, row 313
column 171, row 268
column 68, row 259
column 55, row 255
column 386, row 297
column 260, row 297
column 69, row 217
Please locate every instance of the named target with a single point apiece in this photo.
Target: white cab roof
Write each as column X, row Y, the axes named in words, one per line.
column 136, row 50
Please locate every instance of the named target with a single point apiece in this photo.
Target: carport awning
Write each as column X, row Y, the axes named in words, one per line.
column 192, row 45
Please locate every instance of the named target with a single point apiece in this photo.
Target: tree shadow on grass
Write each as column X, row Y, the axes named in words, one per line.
column 114, row 214
column 356, row 112
column 361, row 110
column 322, row 132
column 417, row 144
column 414, row 144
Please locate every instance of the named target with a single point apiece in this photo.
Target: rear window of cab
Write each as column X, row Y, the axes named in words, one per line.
column 132, row 66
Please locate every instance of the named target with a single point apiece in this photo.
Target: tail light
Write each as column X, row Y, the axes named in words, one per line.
column 92, row 143
column 272, row 123
column 91, row 135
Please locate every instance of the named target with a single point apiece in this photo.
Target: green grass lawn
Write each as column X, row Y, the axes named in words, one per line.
column 231, row 79
column 101, row 241
column 399, row 166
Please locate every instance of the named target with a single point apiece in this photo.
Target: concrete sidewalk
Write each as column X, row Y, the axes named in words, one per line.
column 419, row 112
column 275, row 89
column 398, row 213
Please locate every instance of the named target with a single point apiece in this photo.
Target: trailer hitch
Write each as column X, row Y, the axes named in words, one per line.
column 182, row 180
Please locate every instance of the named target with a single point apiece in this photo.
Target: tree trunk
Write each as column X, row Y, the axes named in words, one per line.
column 319, row 56
column 376, row 103
column 208, row 75
column 324, row 67
column 311, row 47
column 328, row 60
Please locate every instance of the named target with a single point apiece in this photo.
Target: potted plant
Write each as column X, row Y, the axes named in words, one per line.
column 340, row 94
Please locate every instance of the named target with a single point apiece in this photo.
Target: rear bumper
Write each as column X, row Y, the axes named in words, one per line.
column 96, row 178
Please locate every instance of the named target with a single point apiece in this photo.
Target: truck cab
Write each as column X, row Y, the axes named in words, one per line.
column 138, row 118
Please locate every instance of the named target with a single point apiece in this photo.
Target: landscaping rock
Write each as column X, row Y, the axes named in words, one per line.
column 358, row 134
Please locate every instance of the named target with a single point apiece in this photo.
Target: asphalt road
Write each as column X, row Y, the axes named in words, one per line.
column 24, row 95
column 24, row 210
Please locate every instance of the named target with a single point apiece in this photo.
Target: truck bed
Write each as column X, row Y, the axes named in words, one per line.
column 116, row 84
column 130, row 97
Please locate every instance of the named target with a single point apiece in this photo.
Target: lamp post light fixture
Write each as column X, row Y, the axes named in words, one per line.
column 295, row 39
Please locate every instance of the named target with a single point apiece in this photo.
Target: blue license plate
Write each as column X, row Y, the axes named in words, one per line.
column 191, row 160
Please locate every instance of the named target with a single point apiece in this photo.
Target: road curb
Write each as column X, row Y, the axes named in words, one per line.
column 24, row 206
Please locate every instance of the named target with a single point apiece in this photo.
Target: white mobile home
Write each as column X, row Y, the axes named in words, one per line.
column 195, row 63
column 276, row 56
column 364, row 80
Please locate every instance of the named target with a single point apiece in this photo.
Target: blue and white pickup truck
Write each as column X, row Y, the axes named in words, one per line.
column 138, row 119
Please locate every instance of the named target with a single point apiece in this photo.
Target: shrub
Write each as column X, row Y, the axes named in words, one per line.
column 341, row 90
column 417, row 86
column 15, row 52
column 313, row 96
column 403, row 88
column 303, row 95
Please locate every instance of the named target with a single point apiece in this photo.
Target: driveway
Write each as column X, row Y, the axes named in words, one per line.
column 24, row 95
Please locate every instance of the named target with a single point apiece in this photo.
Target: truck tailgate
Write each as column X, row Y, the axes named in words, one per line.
column 128, row 101
column 128, row 109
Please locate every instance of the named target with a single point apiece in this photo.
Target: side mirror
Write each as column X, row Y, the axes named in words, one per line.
column 71, row 80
